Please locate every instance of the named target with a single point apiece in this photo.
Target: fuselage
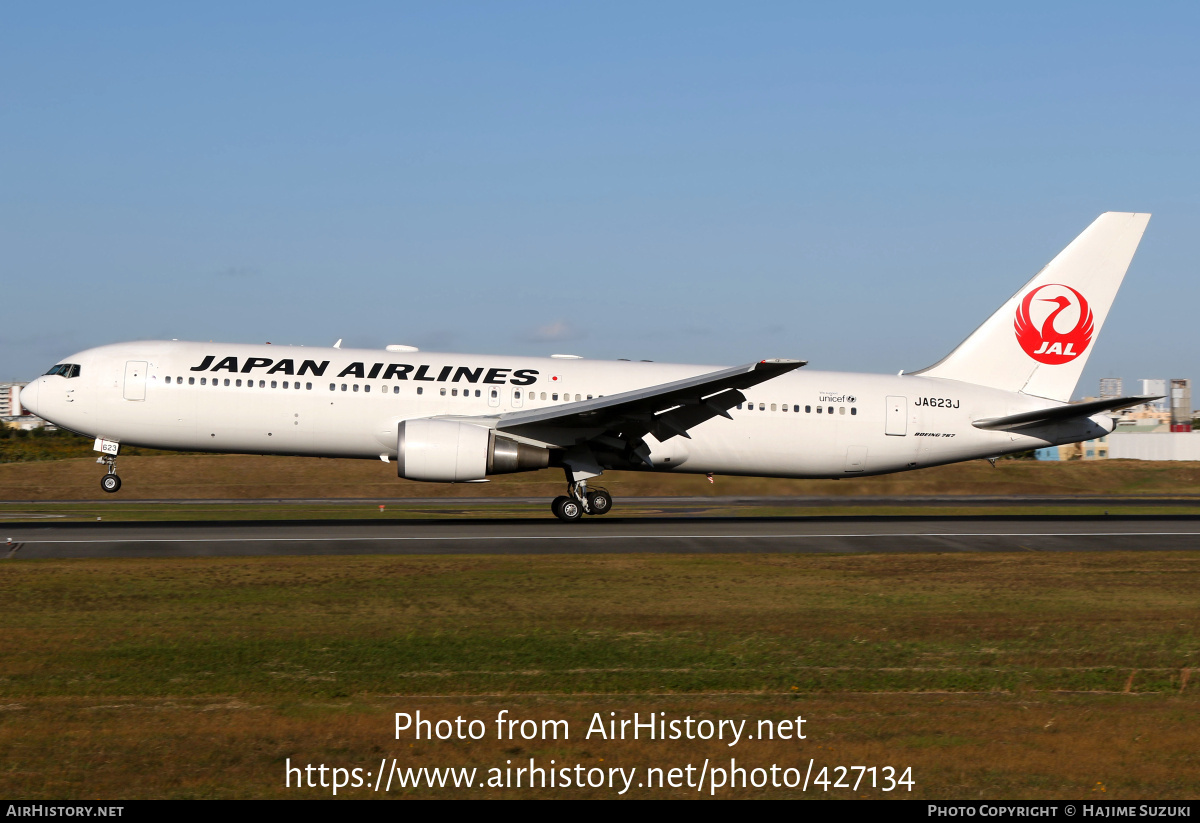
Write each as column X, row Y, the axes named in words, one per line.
column 332, row 402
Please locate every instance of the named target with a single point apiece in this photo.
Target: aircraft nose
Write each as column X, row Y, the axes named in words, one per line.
column 29, row 396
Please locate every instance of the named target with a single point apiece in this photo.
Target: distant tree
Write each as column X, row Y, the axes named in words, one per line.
column 34, row 445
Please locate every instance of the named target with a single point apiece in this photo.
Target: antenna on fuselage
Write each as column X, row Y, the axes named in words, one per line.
column 338, row 344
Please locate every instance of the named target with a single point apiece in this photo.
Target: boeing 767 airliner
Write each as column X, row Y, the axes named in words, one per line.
column 460, row 418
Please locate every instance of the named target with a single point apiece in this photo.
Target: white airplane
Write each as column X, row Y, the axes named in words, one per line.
column 456, row 418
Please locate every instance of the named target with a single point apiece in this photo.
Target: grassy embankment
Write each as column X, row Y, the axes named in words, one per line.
column 993, row 676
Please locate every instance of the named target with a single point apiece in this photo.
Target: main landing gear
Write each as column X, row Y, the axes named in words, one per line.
column 110, row 482
column 579, row 501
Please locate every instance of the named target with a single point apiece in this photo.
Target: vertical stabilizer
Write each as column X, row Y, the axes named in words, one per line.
column 1039, row 341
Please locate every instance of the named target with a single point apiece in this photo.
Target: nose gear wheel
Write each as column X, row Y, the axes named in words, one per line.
column 110, row 482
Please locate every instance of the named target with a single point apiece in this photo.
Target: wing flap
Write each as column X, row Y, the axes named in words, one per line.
column 666, row 410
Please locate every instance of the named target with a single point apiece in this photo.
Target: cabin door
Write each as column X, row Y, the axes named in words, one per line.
column 135, row 380
column 897, row 408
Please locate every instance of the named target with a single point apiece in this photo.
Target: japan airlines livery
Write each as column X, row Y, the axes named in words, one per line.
column 459, row 418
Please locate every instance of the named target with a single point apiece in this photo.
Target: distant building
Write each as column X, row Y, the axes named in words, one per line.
column 1088, row 450
column 1181, row 405
column 12, row 414
column 10, row 400
column 1143, row 420
column 26, row 422
column 1155, row 388
column 1111, row 387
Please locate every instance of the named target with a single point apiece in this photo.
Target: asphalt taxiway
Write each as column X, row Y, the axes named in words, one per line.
column 678, row 532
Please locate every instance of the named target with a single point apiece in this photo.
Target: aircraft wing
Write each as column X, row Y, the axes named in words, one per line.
column 1058, row 414
column 665, row 410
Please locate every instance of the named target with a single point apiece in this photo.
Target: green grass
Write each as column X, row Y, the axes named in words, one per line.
column 993, row 675
column 327, row 626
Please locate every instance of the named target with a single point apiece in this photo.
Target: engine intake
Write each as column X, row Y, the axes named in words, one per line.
column 448, row 451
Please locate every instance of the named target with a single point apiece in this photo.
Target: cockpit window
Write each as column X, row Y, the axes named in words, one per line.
column 65, row 370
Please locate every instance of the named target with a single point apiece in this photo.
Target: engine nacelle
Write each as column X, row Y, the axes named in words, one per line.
column 447, row 451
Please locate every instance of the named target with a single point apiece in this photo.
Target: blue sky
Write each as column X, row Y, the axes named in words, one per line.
column 855, row 185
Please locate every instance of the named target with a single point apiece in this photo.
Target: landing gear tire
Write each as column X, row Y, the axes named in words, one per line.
column 556, row 504
column 599, row 502
column 110, row 483
column 569, row 510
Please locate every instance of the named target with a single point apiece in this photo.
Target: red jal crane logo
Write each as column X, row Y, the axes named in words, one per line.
column 1047, row 344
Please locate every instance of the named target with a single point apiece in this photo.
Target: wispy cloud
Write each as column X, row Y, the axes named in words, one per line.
column 555, row 332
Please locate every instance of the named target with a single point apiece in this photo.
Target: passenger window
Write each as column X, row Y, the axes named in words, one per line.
column 343, row 387
column 454, row 392
column 796, row 409
column 356, row 387
column 853, row 410
column 168, row 381
column 307, row 386
column 739, row 406
column 820, row 409
column 191, row 381
column 808, row 409
column 517, row 394
column 443, row 392
column 543, row 395
column 203, row 381
column 395, row 389
column 589, row 397
column 262, row 384
column 367, row 388
column 829, row 409
column 226, row 381
column 783, row 407
column 333, row 386
column 495, row 393
column 772, row 407
column 554, row 396
column 238, row 383
column 762, row 406
column 841, row 409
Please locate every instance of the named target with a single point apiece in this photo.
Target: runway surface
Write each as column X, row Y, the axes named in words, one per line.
column 798, row 501
column 675, row 533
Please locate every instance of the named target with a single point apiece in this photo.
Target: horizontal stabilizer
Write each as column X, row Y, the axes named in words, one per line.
column 1058, row 414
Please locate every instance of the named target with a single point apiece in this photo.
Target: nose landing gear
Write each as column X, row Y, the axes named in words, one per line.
column 110, row 482
column 580, row 501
